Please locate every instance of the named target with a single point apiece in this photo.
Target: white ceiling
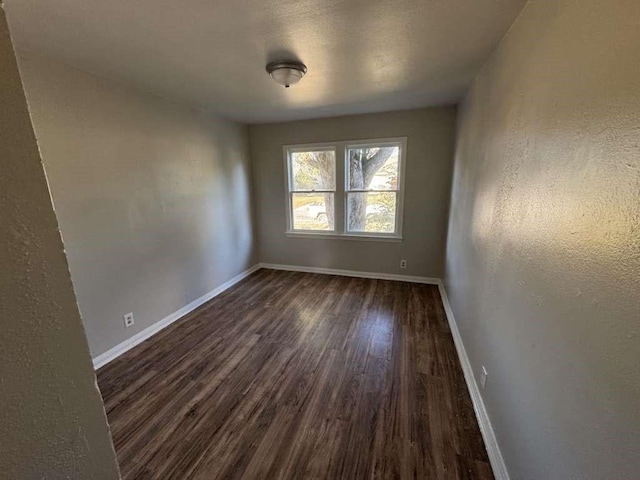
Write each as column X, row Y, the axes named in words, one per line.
column 362, row 55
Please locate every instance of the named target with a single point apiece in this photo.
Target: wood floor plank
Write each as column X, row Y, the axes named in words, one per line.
column 292, row 375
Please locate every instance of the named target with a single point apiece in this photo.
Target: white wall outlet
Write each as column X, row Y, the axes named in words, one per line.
column 403, row 264
column 128, row 320
column 483, row 377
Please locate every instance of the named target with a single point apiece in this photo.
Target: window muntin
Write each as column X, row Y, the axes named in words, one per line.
column 373, row 173
column 346, row 189
column 312, row 186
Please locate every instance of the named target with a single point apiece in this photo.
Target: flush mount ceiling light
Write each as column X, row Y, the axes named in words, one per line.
column 287, row 73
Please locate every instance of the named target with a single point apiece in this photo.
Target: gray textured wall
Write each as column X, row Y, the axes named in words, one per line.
column 543, row 258
column 52, row 423
column 153, row 198
column 429, row 159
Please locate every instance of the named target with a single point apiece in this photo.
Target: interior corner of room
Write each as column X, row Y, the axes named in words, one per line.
column 443, row 215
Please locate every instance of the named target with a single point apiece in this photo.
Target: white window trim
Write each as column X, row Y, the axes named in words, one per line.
column 340, row 204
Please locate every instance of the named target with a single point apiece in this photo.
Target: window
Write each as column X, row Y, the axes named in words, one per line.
column 346, row 189
column 312, row 188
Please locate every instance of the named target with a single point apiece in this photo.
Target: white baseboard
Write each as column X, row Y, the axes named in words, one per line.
column 113, row 353
column 353, row 273
column 491, row 443
column 493, row 450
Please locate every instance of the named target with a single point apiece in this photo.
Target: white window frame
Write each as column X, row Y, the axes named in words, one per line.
column 289, row 183
column 340, row 194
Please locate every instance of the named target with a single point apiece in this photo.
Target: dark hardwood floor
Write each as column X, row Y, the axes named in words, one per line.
column 298, row 376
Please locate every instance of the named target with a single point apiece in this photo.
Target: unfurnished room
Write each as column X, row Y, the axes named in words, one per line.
column 320, row 239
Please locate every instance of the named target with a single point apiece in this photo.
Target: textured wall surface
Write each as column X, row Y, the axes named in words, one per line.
column 152, row 198
column 429, row 160
column 52, row 423
column 543, row 260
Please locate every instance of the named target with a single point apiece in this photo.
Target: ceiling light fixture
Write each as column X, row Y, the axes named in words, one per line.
column 287, row 73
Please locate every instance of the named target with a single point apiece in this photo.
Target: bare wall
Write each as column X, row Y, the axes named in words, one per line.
column 543, row 255
column 52, row 421
column 429, row 160
column 153, row 198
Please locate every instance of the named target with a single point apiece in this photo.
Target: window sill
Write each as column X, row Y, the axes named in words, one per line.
column 345, row 236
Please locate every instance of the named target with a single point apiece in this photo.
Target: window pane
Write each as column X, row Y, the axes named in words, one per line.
column 373, row 168
column 313, row 211
column 314, row 170
column 372, row 212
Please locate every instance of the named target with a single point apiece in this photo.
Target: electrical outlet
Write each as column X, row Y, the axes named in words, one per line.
column 403, row 264
column 483, row 377
column 128, row 320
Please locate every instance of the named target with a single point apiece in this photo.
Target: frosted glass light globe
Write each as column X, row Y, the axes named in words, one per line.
column 287, row 73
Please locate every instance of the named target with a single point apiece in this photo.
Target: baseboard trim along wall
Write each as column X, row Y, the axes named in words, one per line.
column 353, row 273
column 491, row 443
column 138, row 338
column 113, row 353
column 493, row 450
